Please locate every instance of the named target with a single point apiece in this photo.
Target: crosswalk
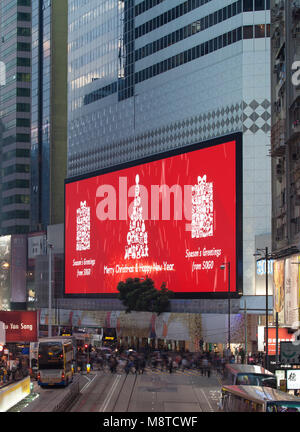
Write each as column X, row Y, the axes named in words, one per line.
column 176, row 371
column 158, row 371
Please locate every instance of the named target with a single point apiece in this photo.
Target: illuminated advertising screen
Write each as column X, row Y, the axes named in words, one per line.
column 175, row 218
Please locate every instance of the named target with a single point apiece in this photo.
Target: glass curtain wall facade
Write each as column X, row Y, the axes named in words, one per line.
column 49, row 112
column 15, row 107
column 40, row 126
column 149, row 76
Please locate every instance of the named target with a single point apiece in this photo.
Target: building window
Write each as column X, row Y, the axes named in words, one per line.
column 23, row 92
column 24, row 77
column 248, row 32
column 259, row 5
column 23, row 107
column 24, row 2
column 260, row 31
column 23, row 46
column 23, row 16
column 24, row 31
column 23, row 61
column 247, row 5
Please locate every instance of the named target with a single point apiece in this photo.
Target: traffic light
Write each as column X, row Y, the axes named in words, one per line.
column 86, row 347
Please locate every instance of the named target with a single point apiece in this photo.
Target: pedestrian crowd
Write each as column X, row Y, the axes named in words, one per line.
column 12, row 370
column 132, row 361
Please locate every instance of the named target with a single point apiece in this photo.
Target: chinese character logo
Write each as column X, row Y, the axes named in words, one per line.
column 202, row 209
column 292, row 377
column 83, row 227
column 137, row 237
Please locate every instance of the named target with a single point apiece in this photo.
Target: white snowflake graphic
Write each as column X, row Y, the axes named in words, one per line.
column 202, row 209
column 137, row 237
column 83, row 228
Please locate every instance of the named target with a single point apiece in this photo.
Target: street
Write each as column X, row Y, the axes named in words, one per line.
column 151, row 392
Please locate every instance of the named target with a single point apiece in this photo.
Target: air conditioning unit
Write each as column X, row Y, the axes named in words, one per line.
column 279, row 170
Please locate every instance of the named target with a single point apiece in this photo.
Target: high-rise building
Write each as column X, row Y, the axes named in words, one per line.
column 48, row 138
column 15, row 106
column 285, row 150
column 149, row 76
column 49, row 112
column 285, row 155
column 145, row 77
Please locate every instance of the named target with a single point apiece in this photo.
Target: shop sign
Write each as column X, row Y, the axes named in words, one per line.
column 293, row 379
column 20, row 326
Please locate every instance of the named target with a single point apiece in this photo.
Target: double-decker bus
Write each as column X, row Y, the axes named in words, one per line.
column 55, row 361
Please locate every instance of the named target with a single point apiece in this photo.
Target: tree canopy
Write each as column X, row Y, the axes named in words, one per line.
column 141, row 295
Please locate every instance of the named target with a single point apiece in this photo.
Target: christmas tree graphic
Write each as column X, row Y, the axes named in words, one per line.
column 137, row 237
column 83, row 227
column 202, row 209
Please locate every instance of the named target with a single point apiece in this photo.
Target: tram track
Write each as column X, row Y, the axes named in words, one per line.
column 118, row 399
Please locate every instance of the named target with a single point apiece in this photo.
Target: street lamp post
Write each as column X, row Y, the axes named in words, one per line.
column 50, row 246
column 267, row 311
column 223, row 266
column 266, row 257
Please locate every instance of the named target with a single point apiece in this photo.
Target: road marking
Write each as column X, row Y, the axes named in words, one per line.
column 87, row 384
column 211, row 408
column 110, row 393
column 215, row 394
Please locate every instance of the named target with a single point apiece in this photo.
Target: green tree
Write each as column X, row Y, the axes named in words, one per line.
column 141, row 295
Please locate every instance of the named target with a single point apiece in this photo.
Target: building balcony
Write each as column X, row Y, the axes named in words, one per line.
column 279, row 209
column 296, row 127
column 296, row 10
column 278, row 12
column 296, row 225
column 280, row 235
column 278, row 139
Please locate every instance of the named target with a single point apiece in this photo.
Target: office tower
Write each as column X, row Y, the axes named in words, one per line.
column 49, row 112
column 149, row 76
column 15, row 103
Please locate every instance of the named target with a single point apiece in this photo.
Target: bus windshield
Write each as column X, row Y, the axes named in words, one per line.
column 282, row 406
column 256, row 380
column 51, row 355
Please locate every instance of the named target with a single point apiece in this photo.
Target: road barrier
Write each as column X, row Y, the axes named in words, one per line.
column 71, row 395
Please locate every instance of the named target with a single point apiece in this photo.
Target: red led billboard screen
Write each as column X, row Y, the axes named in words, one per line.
column 175, row 219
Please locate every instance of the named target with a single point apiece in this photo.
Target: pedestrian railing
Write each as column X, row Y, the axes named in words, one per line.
column 66, row 402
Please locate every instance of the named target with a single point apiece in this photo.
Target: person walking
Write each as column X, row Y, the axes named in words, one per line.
column 209, row 369
column 136, row 363
column 143, row 364
column 127, row 368
column 113, row 364
column 243, row 355
column 205, row 366
column 184, row 363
